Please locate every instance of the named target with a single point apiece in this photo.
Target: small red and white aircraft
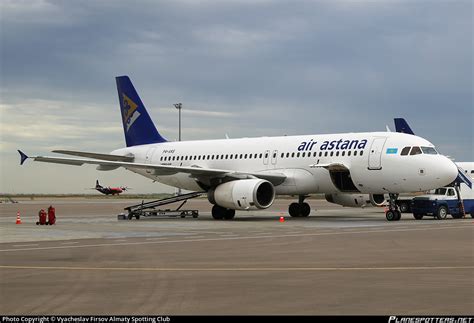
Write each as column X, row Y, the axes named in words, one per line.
column 109, row 190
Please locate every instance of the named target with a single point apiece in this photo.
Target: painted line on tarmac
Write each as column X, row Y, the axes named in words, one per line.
column 155, row 269
column 25, row 245
column 69, row 243
column 241, row 238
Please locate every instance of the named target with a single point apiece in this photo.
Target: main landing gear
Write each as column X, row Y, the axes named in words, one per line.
column 222, row 213
column 300, row 209
column 393, row 214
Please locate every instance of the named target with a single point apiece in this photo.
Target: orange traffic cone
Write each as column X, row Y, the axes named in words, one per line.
column 18, row 220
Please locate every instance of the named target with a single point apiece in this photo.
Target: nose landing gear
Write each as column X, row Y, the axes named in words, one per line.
column 393, row 214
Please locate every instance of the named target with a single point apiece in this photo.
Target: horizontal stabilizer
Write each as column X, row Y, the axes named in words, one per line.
column 95, row 155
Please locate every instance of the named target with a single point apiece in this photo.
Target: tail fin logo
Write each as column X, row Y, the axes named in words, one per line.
column 130, row 111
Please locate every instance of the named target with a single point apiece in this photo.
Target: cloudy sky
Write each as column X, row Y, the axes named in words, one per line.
column 240, row 67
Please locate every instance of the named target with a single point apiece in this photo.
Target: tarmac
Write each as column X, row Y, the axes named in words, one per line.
column 339, row 261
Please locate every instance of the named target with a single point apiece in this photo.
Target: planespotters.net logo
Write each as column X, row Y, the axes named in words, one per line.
column 428, row 319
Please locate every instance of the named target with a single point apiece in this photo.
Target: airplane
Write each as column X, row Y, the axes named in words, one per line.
column 247, row 173
column 466, row 175
column 109, row 190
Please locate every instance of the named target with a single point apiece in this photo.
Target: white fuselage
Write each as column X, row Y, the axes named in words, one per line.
column 373, row 159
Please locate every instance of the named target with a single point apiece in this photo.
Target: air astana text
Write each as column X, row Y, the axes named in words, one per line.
column 335, row 144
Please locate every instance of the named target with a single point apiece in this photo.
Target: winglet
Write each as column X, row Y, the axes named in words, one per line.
column 23, row 157
column 402, row 126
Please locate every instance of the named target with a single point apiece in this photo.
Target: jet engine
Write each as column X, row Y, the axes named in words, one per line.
column 356, row 200
column 377, row 199
column 351, row 200
column 244, row 194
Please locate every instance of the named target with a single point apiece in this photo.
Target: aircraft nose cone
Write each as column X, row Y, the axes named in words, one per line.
column 449, row 172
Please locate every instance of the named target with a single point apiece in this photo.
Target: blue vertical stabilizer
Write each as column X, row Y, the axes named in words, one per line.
column 402, row 126
column 137, row 124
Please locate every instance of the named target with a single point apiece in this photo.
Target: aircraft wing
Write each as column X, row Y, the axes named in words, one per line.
column 95, row 155
column 273, row 177
column 331, row 166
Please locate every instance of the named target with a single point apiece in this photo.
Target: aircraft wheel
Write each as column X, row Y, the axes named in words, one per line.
column 418, row 216
column 229, row 214
column 398, row 215
column 390, row 215
column 294, row 210
column 442, row 213
column 305, row 210
column 218, row 212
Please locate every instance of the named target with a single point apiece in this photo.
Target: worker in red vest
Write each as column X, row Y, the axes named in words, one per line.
column 51, row 215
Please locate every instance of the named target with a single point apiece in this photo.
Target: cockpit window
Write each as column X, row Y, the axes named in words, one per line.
column 415, row 151
column 440, row 191
column 405, row 151
column 429, row 150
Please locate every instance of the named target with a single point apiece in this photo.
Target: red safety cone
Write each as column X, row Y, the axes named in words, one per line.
column 18, row 219
column 282, row 219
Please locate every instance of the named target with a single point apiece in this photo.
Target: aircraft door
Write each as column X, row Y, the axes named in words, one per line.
column 265, row 157
column 375, row 154
column 149, row 158
column 274, row 157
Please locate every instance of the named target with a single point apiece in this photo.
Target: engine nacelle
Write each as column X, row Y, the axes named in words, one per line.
column 350, row 200
column 356, row 200
column 378, row 199
column 244, row 194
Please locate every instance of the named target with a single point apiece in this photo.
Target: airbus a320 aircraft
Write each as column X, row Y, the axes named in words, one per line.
column 247, row 173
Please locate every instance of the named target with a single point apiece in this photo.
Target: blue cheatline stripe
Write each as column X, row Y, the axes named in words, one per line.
column 392, row 150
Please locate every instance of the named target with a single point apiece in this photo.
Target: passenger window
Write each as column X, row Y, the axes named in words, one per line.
column 343, row 153
column 314, row 154
column 355, row 153
column 304, row 154
column 245, row 156
column 361, row 152
column 320, row 153
column 292, row 155
column 332, row 153
column 222, row 156
column 415, row 151
column 349, row 153
column 261, row 155
column 326, row 154
column 337, row 154
column 282, row 155
column 297, row 154
column 405, row 151
column 274, row 155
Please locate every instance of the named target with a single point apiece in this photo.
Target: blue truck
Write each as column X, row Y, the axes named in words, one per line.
column 444, row 201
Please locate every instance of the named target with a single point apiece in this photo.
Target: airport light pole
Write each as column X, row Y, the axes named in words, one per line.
column 179, row 106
